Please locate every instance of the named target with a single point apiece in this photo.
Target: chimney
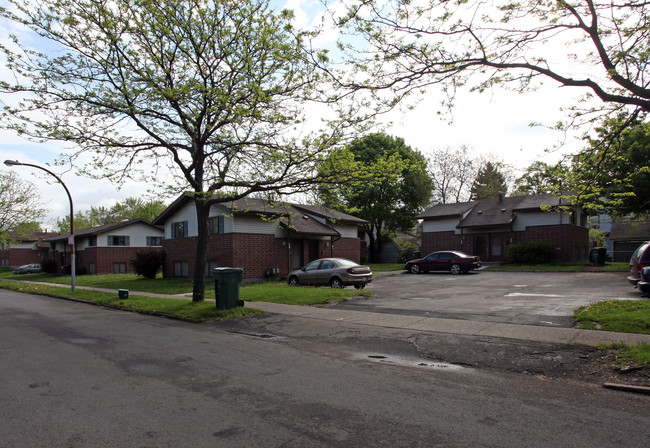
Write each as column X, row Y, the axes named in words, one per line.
column 500, row 197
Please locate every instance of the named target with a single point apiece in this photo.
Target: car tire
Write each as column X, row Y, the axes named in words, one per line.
column 415, row 269
column 455, row 269
column 336, row 283
column 293, row 281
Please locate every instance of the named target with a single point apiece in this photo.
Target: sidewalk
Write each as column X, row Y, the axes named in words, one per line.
column 457, row 326
column 433, row 324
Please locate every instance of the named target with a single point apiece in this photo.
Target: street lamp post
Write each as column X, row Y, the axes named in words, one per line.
column 71, row 238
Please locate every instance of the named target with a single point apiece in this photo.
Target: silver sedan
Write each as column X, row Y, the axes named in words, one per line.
column 335, row 272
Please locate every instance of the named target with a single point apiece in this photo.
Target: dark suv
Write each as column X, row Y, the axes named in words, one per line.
column 640, row 259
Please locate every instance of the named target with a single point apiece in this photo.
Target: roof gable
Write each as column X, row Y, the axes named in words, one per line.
column 446, row 210
column 103, row 229
column 265, row 207
column 491, row 212
column 630, row 231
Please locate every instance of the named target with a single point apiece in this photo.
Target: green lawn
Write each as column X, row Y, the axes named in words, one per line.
column 177, row 308
column 277, row 292
column 386, row 267
column 569, row 267
column 131, row 282
column 628, row 316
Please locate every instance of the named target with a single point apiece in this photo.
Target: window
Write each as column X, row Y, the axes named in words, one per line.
column 119, row 268
column 181, row 269
column 312, row 266
column 154, row 241
column 92, row 241
column 179, row 229
column 91, row 268
column 216, row 225
column 209, row 266
column 326, row 264
column 119, row 240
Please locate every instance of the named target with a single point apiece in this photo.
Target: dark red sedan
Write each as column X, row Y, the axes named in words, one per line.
column 448, row 260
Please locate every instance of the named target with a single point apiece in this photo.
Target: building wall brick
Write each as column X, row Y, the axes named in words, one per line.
column 102, row 257
column 18, row 257
column 571, row 242
column 256, row 253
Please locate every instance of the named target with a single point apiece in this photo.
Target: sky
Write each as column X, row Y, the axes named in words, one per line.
column 492, row 122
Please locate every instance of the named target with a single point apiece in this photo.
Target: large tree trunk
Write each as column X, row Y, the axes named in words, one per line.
column 374, row 246
column 202, row 212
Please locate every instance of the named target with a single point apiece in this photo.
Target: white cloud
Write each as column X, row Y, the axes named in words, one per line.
column 491, row 123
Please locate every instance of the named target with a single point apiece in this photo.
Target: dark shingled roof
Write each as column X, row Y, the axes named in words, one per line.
column 38, row 237
column 491, row 212
column 101, row 229
column 291, row 216
column 630, row 231
column 446, row 210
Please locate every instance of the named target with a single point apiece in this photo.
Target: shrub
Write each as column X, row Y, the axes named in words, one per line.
column 147, row 263
column 48, row 266
column 534, row 252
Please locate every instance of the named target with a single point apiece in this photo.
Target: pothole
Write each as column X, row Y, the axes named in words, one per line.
column 256, row 335
column 409, row 362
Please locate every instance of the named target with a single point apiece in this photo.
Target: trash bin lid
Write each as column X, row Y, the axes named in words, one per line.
column 226, row 270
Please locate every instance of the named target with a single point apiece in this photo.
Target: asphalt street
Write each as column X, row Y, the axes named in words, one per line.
column 76, row 375
column 528, row 298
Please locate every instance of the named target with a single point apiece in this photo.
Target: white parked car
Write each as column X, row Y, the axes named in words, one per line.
column 28, row 269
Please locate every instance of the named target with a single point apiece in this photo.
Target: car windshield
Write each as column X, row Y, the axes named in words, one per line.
column 346, row 263
column 461, row 254
column 327, row 264
column 641, row 248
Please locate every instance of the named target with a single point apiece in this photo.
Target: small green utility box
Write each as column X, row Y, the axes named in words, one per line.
column 226, row 287
column 123, row 293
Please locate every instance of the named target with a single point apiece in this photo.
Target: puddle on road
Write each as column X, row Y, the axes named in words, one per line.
column 257, row 335
column 406, row 362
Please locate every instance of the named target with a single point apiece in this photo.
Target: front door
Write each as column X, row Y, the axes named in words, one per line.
column 495, row 248
column 313, row 250
column 297, row 258
column 480, row 244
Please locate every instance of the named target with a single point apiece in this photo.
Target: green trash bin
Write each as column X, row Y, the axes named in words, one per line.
column 226, row 287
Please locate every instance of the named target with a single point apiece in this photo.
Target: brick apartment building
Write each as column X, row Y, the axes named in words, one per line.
column 487, row 227
column 106, row 249
column 256, row 235
column 25, row 248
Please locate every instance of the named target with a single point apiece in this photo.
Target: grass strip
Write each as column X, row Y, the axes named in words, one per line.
column 177, row 308
column 131, row 282
column 568, row 267
column 638, row 354
column 386, row 267
column 626, row 316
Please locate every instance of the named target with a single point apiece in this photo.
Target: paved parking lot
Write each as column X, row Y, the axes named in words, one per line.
column 532, row 298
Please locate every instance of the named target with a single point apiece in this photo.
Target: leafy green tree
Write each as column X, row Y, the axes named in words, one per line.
column 489, row 183
column 612, row 173
column 209, row 95
column 540, row 178
column 129, row 209
column 19, row 204
column 136, row 208
column 82, row 220
column 392, row 185
column 410, row 45
column 28, row 227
